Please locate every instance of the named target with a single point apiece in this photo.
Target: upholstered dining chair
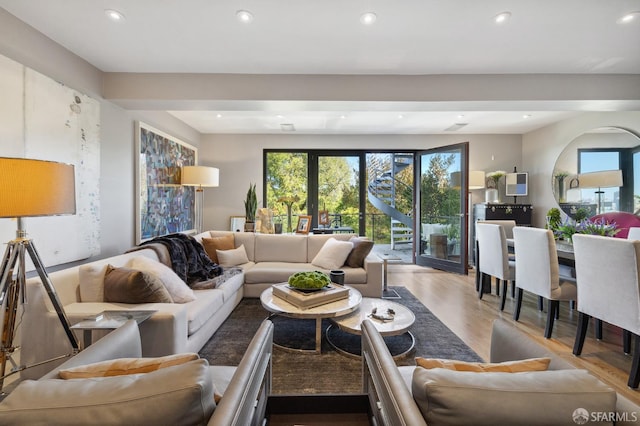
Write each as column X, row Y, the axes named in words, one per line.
column 537, row 271
column 608, row 273
column 508, row 226
column 494, row 258
column 634, row 233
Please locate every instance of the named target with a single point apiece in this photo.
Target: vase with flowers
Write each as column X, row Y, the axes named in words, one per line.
column 560, row 176
column 492, row 193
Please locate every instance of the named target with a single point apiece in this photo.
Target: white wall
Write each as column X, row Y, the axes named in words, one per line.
column 240, row 160
column 541, row 148
column 23, row 44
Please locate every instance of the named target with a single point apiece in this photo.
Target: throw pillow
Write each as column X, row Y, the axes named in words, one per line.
column 233, row 257
column 125, row 285
column 91, row 282
column 333, row 254
column 447, row 397
column 531, row 364
column 124, row 366
column 361, row 248
column 180, row 395
column 178, row 289
column 226, row 242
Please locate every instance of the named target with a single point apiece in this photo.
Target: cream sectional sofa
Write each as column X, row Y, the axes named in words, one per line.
column 177, row 327
column 174, row 328
column 274, row 257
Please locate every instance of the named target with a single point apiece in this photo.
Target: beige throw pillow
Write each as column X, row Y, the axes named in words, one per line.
column 531, row 364
column 233, row 257
column 226, row 242
column 332, row 254
column 179, row 290
column 125, row 285
column 91, row 282
column 124, row 366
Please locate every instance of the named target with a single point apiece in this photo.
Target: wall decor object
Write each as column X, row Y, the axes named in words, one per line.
column 163, row 206
column 43, row 119
column 304, row 224
column 237, row 223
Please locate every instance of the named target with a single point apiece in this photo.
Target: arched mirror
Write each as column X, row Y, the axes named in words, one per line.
column 595, row 173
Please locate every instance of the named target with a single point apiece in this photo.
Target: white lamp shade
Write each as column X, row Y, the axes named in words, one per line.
column 476, row 179
column 36, row 188
column 200, row 176
column 603, row 179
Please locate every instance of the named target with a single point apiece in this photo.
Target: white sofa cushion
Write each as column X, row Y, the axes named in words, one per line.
column 333, row 254
column 447, row 397
column 178, row 289
column 204, row 307
column 274, row 272
column 280, row 248
column 181, row 394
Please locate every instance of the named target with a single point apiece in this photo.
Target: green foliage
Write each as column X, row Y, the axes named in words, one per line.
column 251, row 204
column 439, row 201
column 581, row 214
column 309, row 280
column 553, row 218
column 286, row 178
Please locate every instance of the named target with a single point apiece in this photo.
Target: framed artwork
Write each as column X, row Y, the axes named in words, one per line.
column 163, row 206
column 323, row 217
column 304, row 225
column 237, row 224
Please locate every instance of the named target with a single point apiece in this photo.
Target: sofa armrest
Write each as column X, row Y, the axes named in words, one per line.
column 245, row 400
column 390, row 399
column 123, row 342
column 510, row 344
column 373, row 265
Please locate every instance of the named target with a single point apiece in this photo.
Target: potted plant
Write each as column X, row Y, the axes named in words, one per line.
column 492, row 194
column 250, row 207
column 553, row 218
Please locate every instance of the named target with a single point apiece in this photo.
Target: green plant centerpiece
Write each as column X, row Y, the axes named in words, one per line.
column 553, row 218
column 309, row 280
column 250, row 208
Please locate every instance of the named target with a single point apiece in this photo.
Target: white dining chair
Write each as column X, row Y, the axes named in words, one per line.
column 508, row 226
column 537, row 271
column 634, row 233
column 608, row 273
column 494, row 258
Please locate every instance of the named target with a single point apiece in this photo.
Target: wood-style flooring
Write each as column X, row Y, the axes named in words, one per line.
column 453, row 299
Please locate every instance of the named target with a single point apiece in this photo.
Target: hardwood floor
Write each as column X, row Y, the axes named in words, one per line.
column 453, row 299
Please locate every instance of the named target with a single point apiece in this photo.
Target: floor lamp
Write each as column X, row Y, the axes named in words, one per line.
column 200, row 177
column 30, row 188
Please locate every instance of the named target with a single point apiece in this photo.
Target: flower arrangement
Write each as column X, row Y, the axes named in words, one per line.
column 494, row 177
column 567, row 228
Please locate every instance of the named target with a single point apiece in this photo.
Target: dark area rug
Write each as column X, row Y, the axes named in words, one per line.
column 330, row 372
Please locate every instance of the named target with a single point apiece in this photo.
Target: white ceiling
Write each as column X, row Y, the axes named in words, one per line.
column 326, row 37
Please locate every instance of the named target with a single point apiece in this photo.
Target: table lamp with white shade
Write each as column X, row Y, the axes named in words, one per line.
column 599, row 180
column 200, row 177
column 30, row 188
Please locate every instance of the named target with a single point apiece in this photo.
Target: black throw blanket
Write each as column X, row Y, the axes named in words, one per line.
column 188, row 258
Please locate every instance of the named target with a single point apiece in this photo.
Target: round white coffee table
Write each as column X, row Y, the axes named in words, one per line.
column 403, row 318
column 278, row 306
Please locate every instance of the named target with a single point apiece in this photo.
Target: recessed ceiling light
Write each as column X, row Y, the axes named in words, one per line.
column 218, row 115
column 114, row 15
column 526, row 116
column 343, row 116
column 460, row 115
column 368, row 18
column 244, row 16
column 629, row 17
column 400, row 116
column 280, row 116
column 502, row 17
